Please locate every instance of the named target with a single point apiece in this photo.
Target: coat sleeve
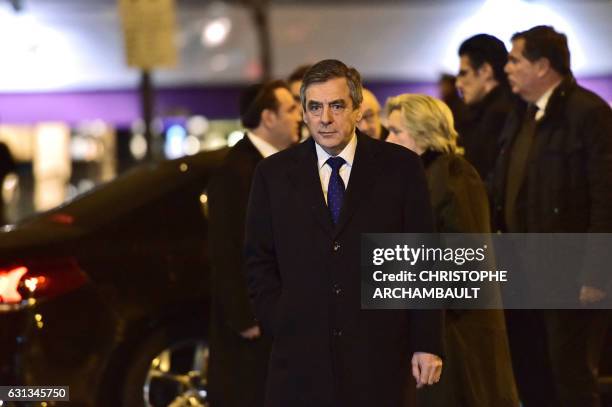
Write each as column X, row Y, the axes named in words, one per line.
column 262, row 271
column 227, row 207
column 426, row 326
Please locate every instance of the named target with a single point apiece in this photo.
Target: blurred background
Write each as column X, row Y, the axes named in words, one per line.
column 88, row 88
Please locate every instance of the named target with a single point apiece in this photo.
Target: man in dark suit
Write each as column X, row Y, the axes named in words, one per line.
column 239, row 354
column 303, row 257
column 484, row 89
column 554, row 175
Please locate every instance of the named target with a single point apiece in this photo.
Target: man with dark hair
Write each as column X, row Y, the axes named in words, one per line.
column 239, row 354
column 295, row 83
column 484, row 88
column 554, row 175
column 303, row 235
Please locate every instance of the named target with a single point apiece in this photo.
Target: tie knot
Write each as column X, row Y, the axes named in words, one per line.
column 335, row 163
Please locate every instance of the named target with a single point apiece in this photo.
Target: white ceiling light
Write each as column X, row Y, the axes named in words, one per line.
column 215, row 32
column 503, row 18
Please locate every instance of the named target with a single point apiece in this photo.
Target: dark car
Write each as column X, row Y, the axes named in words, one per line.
column 109, row 293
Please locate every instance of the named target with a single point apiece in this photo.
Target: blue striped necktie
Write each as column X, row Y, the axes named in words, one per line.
column 335, row 188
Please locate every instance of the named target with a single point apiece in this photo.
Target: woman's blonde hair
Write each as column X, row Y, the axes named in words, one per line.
column 429, row 121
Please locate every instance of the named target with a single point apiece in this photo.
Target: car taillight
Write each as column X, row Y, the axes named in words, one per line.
column 27, row 283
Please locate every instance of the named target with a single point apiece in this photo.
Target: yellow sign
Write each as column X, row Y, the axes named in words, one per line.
column 149, row 32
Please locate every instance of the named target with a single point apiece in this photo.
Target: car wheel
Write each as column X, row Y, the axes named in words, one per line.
column 170, row 369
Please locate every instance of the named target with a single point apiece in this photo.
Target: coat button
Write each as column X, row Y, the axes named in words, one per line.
column 336, row 246
column 337, row 333
column 337, row 289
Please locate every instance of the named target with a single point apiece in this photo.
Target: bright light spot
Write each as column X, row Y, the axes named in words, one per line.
column 52, row 152
column 197, row 125
column 8, row 188
column 10, row 182
column 215, row 32
column 138, row 146
column 174, row 141
column 41, row 56
column 38, row 317
column 31, row 284
column 503, row 18
column 40, row 325
column 155, row 363
column 191, row 145
column 85, row 185
column 234, row 137
column 203, row 198
column 183, row 167
column 9, row 282
column 85, row 148
column 214, row 141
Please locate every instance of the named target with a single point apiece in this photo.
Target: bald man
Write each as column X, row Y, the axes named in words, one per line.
column 370, row 117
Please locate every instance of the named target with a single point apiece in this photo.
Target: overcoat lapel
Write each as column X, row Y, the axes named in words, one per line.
column 363, row 175
column 305, row 178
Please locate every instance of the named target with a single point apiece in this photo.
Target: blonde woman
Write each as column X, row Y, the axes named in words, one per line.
column 478, row 370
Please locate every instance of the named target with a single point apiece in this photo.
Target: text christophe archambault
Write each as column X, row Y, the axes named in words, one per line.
column 432, row 283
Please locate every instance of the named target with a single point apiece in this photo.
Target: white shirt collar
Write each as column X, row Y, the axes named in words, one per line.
column 265, row 149
column 542, row 102
column 348, row 153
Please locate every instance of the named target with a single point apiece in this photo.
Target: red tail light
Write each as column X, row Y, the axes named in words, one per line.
column 27, row 283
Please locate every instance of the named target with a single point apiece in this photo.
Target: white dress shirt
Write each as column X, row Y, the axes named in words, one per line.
column 542, row 102
column 345, row 171
column 265, row 149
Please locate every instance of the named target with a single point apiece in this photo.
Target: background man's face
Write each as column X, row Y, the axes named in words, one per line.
column 470, row 82
column 287, row 124
column 370, row 116
column 522, row 73
column 330, row 114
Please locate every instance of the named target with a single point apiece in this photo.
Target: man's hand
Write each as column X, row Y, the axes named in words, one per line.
column 251, row 333
column 589, row 295
column 426, row 368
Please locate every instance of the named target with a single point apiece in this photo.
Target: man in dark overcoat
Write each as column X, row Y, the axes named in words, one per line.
column 238, row 352
column 555, row 176
column 308, row 208
column 484, row 89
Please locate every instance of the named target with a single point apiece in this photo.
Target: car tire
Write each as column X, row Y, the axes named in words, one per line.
column 158, row 371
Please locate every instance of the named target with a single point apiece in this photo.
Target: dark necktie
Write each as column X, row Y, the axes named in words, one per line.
column 335, row 188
